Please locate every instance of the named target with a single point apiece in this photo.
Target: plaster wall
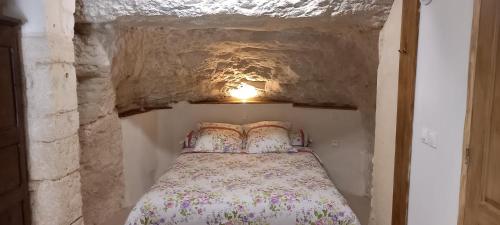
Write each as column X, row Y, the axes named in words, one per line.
column 440, row 105
column 385, row 119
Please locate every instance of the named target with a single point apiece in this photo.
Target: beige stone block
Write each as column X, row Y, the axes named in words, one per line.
column 101, row 143
column 47, row 48
column 49, row 128
column 96, row 98
column 50, row 89
column 59, row 17
column 102, row 183
column 102, row 192
column 101, row 168
column 90, row 51
column 80, row 221
column 98, row 210
column 54, row 160
column 56, row 202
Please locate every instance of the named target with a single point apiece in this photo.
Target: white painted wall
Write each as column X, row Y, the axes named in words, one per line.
column 440, row 103
column 385, row 119
column 151, row 140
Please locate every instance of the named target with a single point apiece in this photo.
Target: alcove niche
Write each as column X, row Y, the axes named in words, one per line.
column 132, row 56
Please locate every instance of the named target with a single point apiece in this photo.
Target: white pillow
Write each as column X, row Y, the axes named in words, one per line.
column 268, row 136
column 219, row 137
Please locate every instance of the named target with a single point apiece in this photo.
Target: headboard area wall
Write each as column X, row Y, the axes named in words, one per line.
column 151, row 141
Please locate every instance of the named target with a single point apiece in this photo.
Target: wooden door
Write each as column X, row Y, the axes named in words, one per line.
column 481, row 189
column 14, row 202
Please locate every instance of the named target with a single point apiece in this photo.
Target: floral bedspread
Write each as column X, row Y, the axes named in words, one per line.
column 225, row 188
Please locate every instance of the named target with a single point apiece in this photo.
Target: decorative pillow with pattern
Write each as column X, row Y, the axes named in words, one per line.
column 268, row 136
column 299, row 138
column 219, row 137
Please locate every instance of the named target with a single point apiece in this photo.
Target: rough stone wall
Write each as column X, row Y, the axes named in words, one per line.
column 100, row 132
column 154, row 53
column 52, row 111
column 157, row 65
column 363, row 12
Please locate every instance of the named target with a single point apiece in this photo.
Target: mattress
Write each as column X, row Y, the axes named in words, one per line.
column 224, row 188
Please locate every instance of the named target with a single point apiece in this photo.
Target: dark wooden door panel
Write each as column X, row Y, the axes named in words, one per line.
column 14, row 196
column 13, row 215
column 10, row 169
column 8, row 110
column 9, row 136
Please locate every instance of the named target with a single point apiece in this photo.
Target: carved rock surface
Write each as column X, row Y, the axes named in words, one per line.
column 60, row 195
column 161, row 65
column 101, row 169
column 375, row 11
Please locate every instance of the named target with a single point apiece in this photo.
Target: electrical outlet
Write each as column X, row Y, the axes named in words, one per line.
column 429, row 137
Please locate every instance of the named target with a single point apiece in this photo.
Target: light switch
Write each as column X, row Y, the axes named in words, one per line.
column 429, row 137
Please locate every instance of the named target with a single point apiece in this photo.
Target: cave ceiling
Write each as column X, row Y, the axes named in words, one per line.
column 158, row 52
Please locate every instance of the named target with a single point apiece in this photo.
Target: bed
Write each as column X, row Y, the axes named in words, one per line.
column 235, row 188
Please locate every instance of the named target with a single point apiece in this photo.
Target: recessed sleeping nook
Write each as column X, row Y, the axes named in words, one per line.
column 227, row 112
column 249, row 112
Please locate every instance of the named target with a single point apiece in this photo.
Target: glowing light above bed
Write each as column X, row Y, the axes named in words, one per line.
column 243, row 92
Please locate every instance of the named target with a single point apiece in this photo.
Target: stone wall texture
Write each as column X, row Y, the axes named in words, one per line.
column 155, row 65
column 100, row 132
column 372, row 12
column 52, row 111
column 131, row 54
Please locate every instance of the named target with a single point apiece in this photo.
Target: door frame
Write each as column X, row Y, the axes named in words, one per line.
column 405, row 106
column 468, row 116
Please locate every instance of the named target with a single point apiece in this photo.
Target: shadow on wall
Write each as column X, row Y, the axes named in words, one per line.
column 152, row 141
column 141, row 134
